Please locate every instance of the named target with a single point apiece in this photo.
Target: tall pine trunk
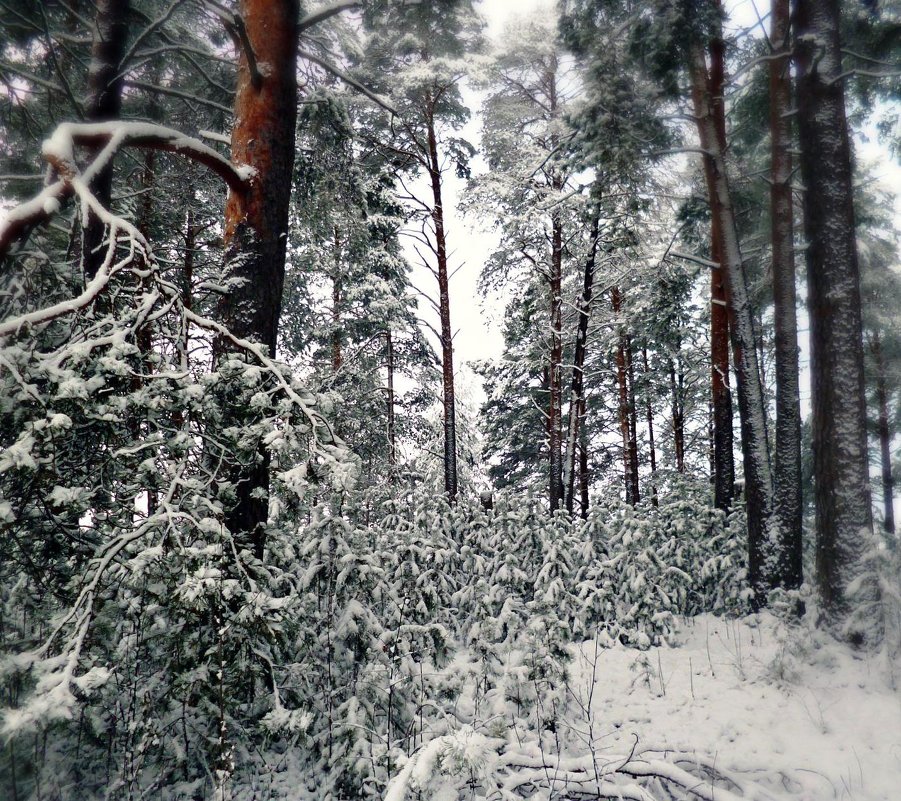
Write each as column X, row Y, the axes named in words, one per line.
column 626, row 406
column 885, row 439
column 392, row 444
column 649, row 418
column 762, row 550
column 677, row 406
column 104, row 102
column 787, row 480
column 555, row 372
column 447, row 342
column 633, row 422
column 577, row 383
column 337, row 356
column 584, row 477
column 720, row 392
column 256, row 221
column 841, row 471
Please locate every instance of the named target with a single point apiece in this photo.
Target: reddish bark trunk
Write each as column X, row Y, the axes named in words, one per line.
column 256, row 220
column 762, row 550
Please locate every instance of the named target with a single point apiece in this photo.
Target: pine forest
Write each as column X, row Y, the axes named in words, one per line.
column 450, row 400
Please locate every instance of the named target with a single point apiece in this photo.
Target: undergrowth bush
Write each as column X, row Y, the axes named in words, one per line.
column 373, row 628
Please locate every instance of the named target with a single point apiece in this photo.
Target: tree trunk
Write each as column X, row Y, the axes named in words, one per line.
column 447, row 343
column 337, row 358
column 256, row 221
column 577, row 384
column 555, row 373
column 841, row 471
column 583, row 462
column 104, row 102
column 630, row 470
column 392, row 444
column 678, row 414
column 885, row 439
column 787, row 486
column 633, row 422
column 721, row 394
column 649, row 416
column 762, row 551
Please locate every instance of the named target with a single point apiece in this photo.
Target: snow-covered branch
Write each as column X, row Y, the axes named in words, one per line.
column 110, row 137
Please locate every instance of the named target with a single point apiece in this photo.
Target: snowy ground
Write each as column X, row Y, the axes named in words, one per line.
column 752, row 697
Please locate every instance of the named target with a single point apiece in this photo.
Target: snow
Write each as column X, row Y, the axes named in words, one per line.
column 753, row 696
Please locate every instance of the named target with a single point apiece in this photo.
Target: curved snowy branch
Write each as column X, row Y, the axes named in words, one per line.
column 59, row 152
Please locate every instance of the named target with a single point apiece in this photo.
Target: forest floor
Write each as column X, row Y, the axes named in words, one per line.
column 817, row 720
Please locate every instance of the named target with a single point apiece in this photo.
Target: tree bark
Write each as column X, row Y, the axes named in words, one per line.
column 256, row 220
column 337, row 357
column 885, row 439
column 555, row 373
column 630, row 466
column 104, row 102
column 678, row 413
column 584, row 475
column 447, row 343
column 577, row 384
column 633, row 422
column 841, row 471
column 762, row 546
column 787, row 480
column 392, row 444
column 721, row 394
column 649, row 417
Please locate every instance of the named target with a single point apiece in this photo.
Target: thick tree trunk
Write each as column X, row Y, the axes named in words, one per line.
column 256, row 221
column 762, row 546
column 885, row 439
column 841, row 471
column 577, row 384
column 555, row 373
column 447, row 342
column 392, row 443
column 787, row 480
column 104, row 102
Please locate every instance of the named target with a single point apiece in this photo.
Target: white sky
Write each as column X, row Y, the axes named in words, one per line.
column 477, row 328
